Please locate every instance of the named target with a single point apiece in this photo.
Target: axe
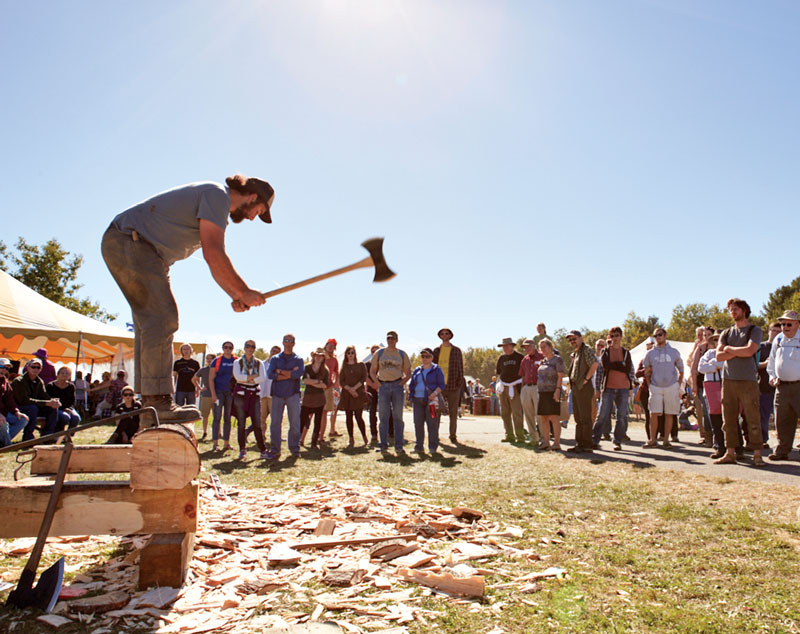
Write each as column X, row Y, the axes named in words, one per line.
column 374, row 247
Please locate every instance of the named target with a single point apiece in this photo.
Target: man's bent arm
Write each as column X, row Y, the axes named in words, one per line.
column 212, row 239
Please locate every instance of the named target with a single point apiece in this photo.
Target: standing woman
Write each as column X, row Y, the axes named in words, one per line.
column 316, row 379
column 64, row 391
column 249, row 374
column 427, row 383
column 81, row 394
column 550, row 373
column 352, row 379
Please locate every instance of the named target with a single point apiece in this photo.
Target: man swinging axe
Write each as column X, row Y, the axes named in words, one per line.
column 144, row 241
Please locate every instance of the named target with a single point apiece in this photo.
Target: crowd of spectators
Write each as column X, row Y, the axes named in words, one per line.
column 730, row 383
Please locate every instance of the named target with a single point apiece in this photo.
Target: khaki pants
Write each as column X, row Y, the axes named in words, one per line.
column 266, row 407
column 143, row 278
column 511, row 408
column 742, row 395
column 530, row 403
column 787, row 411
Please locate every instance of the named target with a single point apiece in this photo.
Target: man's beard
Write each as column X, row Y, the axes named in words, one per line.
column 239, row 214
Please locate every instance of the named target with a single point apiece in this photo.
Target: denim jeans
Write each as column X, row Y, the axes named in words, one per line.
column 612, row 396
column 67, row 418
column 184, row 398
column 423, row 418
column 14, row 425
column 222, row 409
column 292, row 405
column 494, row 405
column 33, row 412
column 766, row 405
column 390, row 399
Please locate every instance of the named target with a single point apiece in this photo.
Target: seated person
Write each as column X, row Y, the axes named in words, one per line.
column 64, row 391
column 128, row 426
column 105, row 408
column 13, row 421
column 32, row 400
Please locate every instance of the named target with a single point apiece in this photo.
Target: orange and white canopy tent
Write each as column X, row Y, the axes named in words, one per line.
column 29, row 321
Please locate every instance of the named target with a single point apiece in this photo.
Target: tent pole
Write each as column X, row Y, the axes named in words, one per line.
column 78, row 351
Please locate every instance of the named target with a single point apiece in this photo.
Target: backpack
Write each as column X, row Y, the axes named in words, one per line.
column 217, row 362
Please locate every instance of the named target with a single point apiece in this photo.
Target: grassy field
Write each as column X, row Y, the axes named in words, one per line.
column 645, row 550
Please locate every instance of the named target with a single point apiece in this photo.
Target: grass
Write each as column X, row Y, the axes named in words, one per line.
column 645, row 550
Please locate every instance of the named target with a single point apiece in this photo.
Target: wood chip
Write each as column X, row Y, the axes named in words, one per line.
column 101, row 603
column 446, row 582
column 53, row 620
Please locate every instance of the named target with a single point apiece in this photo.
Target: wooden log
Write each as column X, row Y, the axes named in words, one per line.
column 164, row 560
column 84, row 459
column 100, row 603
column 97, row 508
column 466, row 586
column 164, row 457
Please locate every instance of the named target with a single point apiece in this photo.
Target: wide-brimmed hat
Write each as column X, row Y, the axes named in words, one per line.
column 789, row 315
column 319, row 352
column 41, row 353
column 506, row 341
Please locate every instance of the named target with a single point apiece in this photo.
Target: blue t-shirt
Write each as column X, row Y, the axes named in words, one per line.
column 222, row 382
column 419, row 388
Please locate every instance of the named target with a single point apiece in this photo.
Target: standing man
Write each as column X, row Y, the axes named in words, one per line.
column 202, row 383
column 529, row 395
column 144, row 241
column 738, row 348
column 583, row 365
column 663, row 369
column 183, row 371
column 766, row 401
column 449, row 358
column 783, row 367
column 391, row 370
column 618, row 380
column 508, row 387
column 285, row 370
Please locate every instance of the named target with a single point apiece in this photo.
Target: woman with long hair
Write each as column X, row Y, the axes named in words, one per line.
column 316, row 379
column 352, row 378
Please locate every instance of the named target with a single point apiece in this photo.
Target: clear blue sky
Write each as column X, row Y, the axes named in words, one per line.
column 563, row 161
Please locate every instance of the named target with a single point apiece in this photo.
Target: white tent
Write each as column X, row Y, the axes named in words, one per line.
column 683, row 347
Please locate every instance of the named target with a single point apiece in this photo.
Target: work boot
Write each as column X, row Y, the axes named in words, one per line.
column 168, row 411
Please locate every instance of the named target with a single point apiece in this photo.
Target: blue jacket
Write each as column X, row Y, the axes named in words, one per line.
column 434, row 379
column 282, row 361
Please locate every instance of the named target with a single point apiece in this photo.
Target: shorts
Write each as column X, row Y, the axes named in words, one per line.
column 330, row 403
column 665, row 400
column 205, row 406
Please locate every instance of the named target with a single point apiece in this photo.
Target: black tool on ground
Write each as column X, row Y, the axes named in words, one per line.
column 45, row 593
column 374, row 247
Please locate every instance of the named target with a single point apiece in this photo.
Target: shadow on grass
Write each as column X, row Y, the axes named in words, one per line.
column 466, row 451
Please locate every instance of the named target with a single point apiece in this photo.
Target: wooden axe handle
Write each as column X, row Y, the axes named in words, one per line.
column 362, row 264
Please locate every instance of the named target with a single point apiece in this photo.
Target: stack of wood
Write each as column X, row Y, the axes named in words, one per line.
column 360, row 556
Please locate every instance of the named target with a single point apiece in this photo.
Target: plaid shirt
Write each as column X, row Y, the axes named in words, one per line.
column 587, row 355
column 455, row 368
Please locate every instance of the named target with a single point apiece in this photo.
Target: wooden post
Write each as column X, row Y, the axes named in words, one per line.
column 165, row 560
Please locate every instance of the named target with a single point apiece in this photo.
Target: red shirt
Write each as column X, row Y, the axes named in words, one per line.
column 333, row 368
column 529, row 368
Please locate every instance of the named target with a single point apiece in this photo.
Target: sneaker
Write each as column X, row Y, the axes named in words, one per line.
column 617, row 446
column 507, row 439
column 626, row 438
column 242, row 455
column 607, row 437
column 264, row 455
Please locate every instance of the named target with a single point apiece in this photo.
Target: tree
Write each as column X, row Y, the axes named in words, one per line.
column 782, row 299
column 51, row 271
column 636, row 329
column 686, row 319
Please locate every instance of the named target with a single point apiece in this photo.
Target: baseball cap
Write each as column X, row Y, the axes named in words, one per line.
column 574, row 333
column 5, row 363
column 333, row 341
column 392, row 333
column 529, row 342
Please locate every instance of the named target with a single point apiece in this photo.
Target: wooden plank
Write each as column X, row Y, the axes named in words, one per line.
column 97, row 508
column 84, row 459
column 164, row 560
column 329, row 543
column 325, row 526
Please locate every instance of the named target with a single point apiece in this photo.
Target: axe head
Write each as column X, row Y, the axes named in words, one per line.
column 375, row 248
column 44, row 594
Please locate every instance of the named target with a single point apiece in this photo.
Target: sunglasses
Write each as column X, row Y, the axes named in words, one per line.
column 127, row 394
column 34, row 367
column 426, row 356
column 249, row 345
column 786, row 324
column 660, row 334
column 614, row 336
column 288, row 341
column 227, row 347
